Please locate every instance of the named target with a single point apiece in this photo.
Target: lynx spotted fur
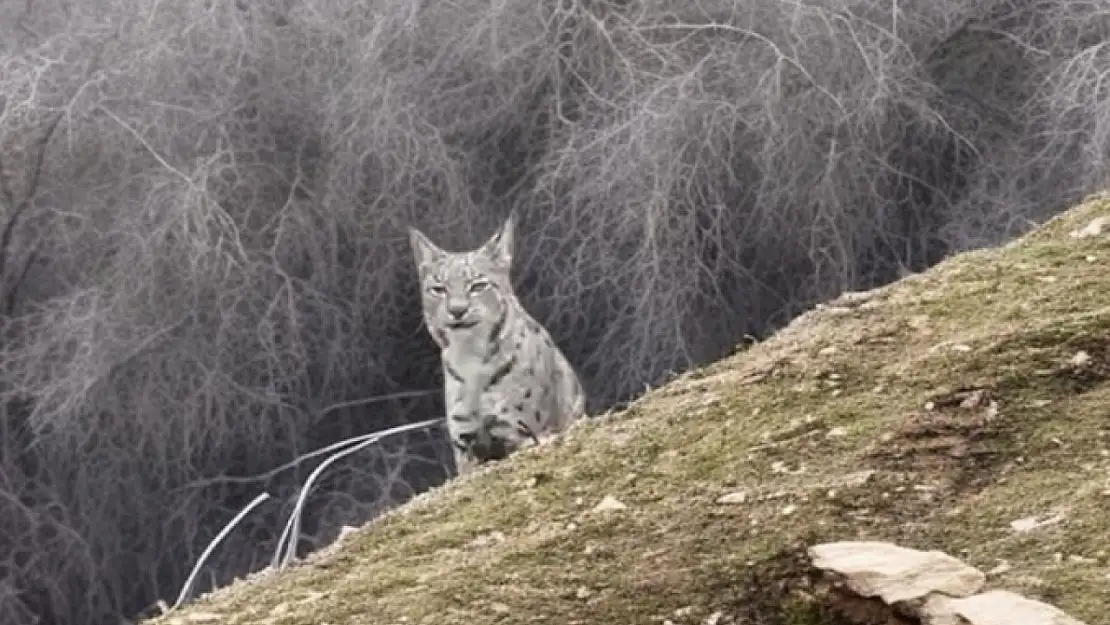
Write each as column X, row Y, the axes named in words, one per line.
column 505, row 382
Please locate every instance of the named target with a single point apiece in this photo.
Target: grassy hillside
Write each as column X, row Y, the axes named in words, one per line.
column 932, row 413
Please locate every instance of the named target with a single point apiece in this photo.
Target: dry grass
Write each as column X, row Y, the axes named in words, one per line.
column 932, row 412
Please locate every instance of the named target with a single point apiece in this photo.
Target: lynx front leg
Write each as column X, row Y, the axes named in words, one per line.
column 464, row 463
column 545, row 440
column 532, row 437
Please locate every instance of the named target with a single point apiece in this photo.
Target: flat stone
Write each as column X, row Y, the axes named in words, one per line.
column 733, row 498
column 609, row 503
column 1093, row 228
column 896, row 574
column 1002, row 607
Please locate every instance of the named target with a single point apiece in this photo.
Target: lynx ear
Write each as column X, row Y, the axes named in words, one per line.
column 423, row 249
column 499, row 247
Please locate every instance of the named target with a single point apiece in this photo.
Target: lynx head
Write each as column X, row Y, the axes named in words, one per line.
column 464, row 290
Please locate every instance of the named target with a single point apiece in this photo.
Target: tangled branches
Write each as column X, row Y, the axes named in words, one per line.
column 203, row 207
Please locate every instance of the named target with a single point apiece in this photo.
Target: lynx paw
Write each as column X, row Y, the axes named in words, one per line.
column 547, row 440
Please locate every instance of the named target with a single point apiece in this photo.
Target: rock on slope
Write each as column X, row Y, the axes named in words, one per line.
column 963, row 410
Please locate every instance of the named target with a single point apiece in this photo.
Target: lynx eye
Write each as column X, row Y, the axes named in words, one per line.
column 437, row 289
column 478, row 286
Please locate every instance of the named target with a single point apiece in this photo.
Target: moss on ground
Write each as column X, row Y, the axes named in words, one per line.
column 932, row 412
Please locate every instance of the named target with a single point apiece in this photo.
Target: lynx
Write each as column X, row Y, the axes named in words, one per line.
column 505, row 382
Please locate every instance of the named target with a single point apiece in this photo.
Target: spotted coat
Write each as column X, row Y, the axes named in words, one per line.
column 506, row 383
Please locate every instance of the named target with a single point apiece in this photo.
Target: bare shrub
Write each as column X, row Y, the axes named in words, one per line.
column 203, row 203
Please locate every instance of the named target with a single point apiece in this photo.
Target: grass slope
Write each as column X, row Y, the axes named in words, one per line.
column 932, row 412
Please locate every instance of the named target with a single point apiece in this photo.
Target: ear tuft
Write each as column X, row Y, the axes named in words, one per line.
column 499, row 247
column 423, row 250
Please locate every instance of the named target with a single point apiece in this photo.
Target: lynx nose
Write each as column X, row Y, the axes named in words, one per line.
column 457, row 309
